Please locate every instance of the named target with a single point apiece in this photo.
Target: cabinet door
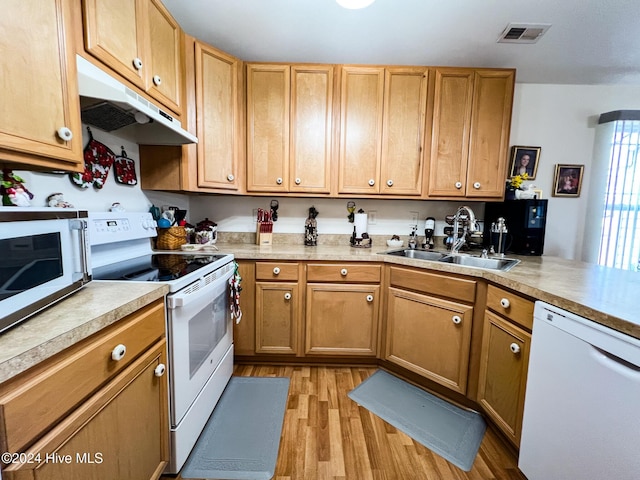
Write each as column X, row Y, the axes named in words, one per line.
column 504, row 363
column 361, row 108
column 121, row 432
column 268, row 98
column 39, row 74
column 166, row 67
column 429, row 336
column 217, row 118
column 450, row 133
column 311, row 128
column 277, row 313
column 405, row 103
column 342, row 319
column 115, row 34
column 489, row 135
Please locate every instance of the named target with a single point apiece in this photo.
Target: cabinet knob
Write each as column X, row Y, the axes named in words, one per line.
column 230, row 177
column 137, row 63
column 369, row 298
column 476, row 185
column 390, row 183
column 505, row 302
column 372, row 182
column 343, row 272
column 118, row 353
column 157, row 80
column 287, row 296
column 298, row 181
column 456, row 319
column 458, row 185
column 279, row 180
column 514, row 347
column 276, row 270
column 159, row 370
column 65, row 133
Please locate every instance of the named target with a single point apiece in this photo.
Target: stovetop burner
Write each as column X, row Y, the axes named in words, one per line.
column 159, row 267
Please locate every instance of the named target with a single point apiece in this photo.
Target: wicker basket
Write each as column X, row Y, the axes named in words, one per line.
column 171, row 238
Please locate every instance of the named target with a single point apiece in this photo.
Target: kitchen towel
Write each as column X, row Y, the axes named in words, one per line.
column 242, row 437
column 450, row 431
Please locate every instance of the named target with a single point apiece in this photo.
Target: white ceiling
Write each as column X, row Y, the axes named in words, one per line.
column 589, row 42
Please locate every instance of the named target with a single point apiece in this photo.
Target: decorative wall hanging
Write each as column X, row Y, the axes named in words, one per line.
column 568, row 180
column 524, row 160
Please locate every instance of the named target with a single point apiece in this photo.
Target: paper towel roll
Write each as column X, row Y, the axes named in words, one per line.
column 360, row 222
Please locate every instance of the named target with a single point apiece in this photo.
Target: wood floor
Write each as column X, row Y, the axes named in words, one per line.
column 327, row 436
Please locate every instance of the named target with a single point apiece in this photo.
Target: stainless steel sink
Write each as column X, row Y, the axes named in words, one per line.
column 502, row 264
column 491, row 263
column 420, row 254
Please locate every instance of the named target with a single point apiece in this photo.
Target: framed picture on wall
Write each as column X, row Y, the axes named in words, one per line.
column 568, row 180
column 524, row 160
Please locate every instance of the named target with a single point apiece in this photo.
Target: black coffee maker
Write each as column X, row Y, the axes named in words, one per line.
column 526, row 221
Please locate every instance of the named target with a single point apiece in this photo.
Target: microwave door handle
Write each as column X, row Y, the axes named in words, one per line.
column 81, row 226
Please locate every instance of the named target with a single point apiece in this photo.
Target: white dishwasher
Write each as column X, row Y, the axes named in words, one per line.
column 582, row 406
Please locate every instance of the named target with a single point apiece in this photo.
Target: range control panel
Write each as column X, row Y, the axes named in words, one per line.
column 110, row 227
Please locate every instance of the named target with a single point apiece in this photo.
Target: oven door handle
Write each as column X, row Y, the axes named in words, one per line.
column 195, row 291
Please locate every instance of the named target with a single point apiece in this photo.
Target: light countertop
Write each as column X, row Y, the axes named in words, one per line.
column 96, row 306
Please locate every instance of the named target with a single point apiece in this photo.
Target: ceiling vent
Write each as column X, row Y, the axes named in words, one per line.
column 523, row 32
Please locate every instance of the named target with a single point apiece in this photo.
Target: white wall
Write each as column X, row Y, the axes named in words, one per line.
column 562, row 119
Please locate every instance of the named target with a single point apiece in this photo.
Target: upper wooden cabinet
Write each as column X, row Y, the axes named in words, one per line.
column 218, row 118
column 470, row 136
column 289, row 128
column 382, row 113
column 40, row 108
column 140, row 40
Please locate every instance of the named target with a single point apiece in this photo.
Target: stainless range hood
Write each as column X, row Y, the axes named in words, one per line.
column 109, row 105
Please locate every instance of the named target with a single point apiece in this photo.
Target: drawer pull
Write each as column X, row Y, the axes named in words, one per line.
column 157, row 80
column 372, row 182
column 456, row 319
column 118, row 353
column 159, row 370
column 458, row 185
column 477, row 185
column 230, row 177
column 369, row 298
column 505, row 302
column 287, row 296
column 276, row 270
column 279, row 180
column 298, row 181
column 343, row 272
column 515, row 348
column 137, row 63
column 389, row 183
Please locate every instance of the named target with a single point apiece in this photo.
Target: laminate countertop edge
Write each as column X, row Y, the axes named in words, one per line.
column 96, row 306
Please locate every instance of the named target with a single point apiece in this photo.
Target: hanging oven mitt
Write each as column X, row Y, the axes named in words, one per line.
column 101, row 162
column 125, row 169
column 84, row 179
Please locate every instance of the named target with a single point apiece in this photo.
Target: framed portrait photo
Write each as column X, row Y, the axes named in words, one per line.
column 568, row 180
column 524, row 160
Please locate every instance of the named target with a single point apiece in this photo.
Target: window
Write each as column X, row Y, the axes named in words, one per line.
column 619, row 245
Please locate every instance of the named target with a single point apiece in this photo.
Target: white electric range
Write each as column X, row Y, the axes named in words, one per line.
column 199, row 324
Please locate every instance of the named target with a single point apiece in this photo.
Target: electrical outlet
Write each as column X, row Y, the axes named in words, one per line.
column 372, row 217
column 414, row 218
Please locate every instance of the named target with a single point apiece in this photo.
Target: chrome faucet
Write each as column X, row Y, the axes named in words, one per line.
column 465, row 216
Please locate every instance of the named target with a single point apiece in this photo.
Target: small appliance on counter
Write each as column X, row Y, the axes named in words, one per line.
column 526, row 220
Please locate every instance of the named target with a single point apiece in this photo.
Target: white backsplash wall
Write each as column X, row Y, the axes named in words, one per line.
column 392, row 217
column 131, row 197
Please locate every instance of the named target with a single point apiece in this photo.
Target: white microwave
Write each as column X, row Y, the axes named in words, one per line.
column 43, row 259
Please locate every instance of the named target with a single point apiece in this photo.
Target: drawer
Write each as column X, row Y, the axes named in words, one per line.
column 433, row 283
column 33, row 403
column 343, row 272
column 511, row 306
column 277, row 271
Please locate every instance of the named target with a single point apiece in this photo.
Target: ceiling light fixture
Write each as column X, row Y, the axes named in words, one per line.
column 354, row 4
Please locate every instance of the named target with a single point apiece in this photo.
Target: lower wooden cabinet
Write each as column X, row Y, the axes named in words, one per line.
column 277, row 314
column 503, row 373
column 429, row 336
column 97, row 410
column 342, row 319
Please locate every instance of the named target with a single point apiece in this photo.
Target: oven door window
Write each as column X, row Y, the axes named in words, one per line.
column 206, row 329
column 28, row 262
